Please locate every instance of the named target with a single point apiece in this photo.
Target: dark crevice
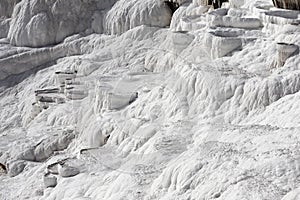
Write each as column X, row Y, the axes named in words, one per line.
column 216, row 3
column 172, row 5
column 2, row 167
column 287, row 4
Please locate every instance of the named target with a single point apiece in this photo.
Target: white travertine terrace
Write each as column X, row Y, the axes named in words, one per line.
column 129, row 99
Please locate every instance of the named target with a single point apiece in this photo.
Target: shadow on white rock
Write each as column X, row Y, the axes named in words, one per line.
column 6, row 7
column 49, row 180
column 4, row 27
column 47, row 147
column 29, row 60
column 284, row 51
column 15, row 167
column 67, row 171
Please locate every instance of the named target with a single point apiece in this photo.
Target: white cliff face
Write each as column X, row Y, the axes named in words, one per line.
column 41, row 23
column 207, row 108
column 6, row 10
column 7, row 7
column 4, row 27
column 126, row 15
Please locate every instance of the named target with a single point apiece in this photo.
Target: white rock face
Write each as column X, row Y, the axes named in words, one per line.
column 4, row 27
column 49, row 180
column 39, row 23
column 284, row 51
column 187, row 112
column 15, row 168
column 189, row 17
column 126, row 15
column 220, row 18
column 236, row 3
column 67, row 171
column 6, row 7
column 220, row 44
column 6, row 10
column 28, row 60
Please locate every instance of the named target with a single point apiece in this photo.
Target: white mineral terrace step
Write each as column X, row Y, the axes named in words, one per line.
column 50, row 98
column 284, row 51
column 277, row 16
column 46, row 91
column 36, row 109
column 118, row 101
column 74, row 94
column 49, row 180
column 219, row 18
column 61, row 77
column 67, row 171
column 220, row 45
column 72, row 82
column 190, row 23
column 52, row 168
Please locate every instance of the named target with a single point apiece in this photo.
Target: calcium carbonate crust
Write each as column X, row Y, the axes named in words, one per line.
column 132, row 101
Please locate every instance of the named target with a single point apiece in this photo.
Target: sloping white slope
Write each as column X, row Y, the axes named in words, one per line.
column 156, row 113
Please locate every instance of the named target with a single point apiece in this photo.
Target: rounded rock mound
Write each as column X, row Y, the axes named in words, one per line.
column 127, row 14
column 37, row 23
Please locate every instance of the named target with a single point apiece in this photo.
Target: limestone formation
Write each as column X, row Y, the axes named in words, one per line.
column 215, row 3
column 127, row 14
column 220, row 44
column 67, row 171
column 16, row 167
column 118, row 101
column 49, row 180
column 287, row 4
column 284, row 51
column 236, row 3
column 4, row 27
column 46, row 148
column 172, row 5
column 62, row 76
column 29, row 60
column 190, row 111
column 6, row 7
column 2, row 168
column 37, row 23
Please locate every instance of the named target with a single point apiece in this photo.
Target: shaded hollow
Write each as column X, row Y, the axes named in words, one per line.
column 287, row 4
column 172, row 5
